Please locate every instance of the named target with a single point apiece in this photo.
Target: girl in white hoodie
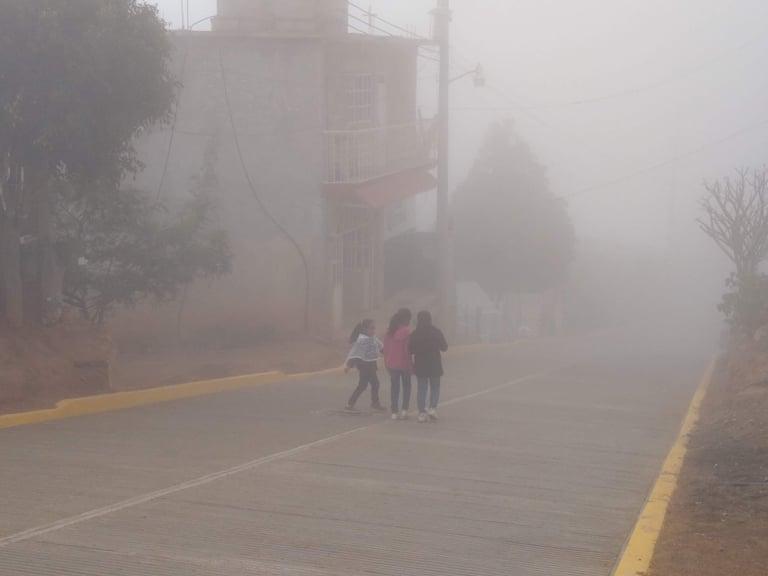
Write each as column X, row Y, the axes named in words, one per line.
column 364, row 355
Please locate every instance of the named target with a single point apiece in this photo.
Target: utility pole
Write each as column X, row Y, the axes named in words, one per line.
column 447, row 285
column 371, row 20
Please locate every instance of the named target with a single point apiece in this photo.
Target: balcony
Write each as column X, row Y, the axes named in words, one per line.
column 359, row 156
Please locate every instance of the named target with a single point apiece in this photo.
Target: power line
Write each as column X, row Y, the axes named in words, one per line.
column 389, row 23
column 669, row 162
column 425, row 57
column 378, row 29
column 633, row 91
column 526, row 111
column 282, row 229
column 371, row 25
column 356, row 29
column 174, row 121
column 632, row 175
column 638, row 89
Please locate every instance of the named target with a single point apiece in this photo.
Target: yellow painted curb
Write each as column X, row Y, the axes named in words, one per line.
column 638, row 552
column 73, row 407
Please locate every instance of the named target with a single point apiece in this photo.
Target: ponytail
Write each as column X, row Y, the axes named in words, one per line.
column 356, row 333
column 361, row 328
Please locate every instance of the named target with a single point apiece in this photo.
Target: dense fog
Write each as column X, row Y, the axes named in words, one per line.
column 629, row 107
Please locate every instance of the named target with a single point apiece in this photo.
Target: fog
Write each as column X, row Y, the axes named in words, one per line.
column 630, row 106
column 606, row 92
column 281, row 339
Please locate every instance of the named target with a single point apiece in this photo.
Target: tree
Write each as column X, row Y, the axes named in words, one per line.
column 79, row 80
column 124, row 248
column 736, row 219
column 512, row 234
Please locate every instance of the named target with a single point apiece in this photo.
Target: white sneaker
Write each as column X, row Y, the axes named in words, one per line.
column 423, row 417
column 404, row 415
column 395, row 417
column 432, row 414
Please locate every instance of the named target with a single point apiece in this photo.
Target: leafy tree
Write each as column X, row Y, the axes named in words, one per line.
column 79, row 79
column 124, row 248
column 512, row 234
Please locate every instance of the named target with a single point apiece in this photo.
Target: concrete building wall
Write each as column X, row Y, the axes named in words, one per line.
column 277, row 93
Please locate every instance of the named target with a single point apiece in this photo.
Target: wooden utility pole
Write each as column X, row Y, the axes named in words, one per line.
column 447, row 284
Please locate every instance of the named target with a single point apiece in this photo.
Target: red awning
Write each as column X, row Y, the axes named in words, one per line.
column 385, row 191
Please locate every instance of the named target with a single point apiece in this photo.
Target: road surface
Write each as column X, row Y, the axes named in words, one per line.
column 539, row 465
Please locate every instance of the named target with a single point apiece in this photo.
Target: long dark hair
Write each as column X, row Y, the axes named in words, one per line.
column 423, row 320
column 401, row 318
column 361, row 328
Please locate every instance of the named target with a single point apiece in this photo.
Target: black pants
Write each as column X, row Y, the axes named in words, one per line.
column 368, row 376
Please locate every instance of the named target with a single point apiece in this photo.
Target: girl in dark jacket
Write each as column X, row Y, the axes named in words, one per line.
column 427, row 344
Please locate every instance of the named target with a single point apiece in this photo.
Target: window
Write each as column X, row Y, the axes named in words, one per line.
column 357, row 249
column 361, row 100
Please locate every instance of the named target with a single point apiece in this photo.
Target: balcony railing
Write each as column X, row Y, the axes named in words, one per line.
column 357, row 156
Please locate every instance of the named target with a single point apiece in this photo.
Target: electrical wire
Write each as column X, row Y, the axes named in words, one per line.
column 523, row 109
column 669, row 79
column 356, row 29
column 174, row 121
column 389, row 23
column 425, row 57
column 526, row 109
column 634, row 91
column 371, row 25
column 282, row 229
column 665, row 163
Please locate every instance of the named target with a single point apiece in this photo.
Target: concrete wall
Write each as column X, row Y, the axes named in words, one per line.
column 277, row 92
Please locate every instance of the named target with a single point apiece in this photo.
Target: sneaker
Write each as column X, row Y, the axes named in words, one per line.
column 351, row 409
column 395, row 417
column 378, row 408
column 404, row 415
column 423, row 417
column 432, row 413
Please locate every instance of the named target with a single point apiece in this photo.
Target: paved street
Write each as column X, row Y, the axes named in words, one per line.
column 539, row 465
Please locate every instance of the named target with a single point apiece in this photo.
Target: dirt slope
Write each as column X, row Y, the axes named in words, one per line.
column 718, row 519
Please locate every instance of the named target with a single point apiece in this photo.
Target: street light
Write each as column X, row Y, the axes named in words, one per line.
column 198, row 22
column 478, row 76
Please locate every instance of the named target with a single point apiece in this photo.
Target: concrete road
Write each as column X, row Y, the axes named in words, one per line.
column 539, row 465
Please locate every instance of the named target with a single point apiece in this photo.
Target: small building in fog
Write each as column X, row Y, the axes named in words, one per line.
column 332, row 140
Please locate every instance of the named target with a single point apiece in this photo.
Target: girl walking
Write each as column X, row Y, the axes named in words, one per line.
column 397, row 359
column 364, row 356
column 427, row 343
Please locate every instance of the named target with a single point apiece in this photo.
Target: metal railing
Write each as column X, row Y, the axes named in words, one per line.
column 356, row 156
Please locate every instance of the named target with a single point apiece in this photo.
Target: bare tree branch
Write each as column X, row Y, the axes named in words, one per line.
column 736, row 218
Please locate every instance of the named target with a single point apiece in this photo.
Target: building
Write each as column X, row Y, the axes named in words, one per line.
column 329, row 129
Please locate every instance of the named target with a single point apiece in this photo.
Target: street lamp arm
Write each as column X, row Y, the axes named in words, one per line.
column 476, row 72
column 206, row 19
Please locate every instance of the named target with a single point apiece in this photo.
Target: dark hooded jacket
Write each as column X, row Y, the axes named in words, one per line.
column 426, row 345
